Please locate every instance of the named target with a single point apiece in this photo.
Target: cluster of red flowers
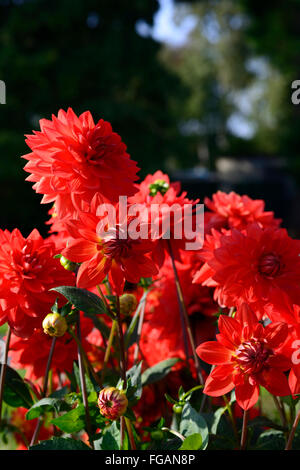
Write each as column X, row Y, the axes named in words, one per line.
column 248, row 267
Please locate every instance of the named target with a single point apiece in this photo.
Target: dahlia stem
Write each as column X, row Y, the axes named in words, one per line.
column 139, row 331
column 122, row 364
column 44, row 392
column 108, row 348
column 293, row 431
column 244, row 430
column 122, row 347
column 86, row 359
column 130, row 433
column 83, row 387
column 184, row 317
column 3, row 369
column 280, row 411
column 104, row 299
column 231, row 416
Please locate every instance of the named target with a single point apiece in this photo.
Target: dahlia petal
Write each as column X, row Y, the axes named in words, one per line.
column 116, row 276
column 279, row 362
column 213, row 352
column 80, row 251
column 219, row 382
column 276, row 333
column 92, row 272
column 275, row 382
column 247, row 395
column 230, row 328
column 246, row 317
column 294, row 382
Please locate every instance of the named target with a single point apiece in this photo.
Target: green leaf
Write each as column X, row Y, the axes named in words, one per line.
column 216, row 419
column 16, row 392
column 193, row 423
column 73, row 421
column 83, row 300
column 265, row 422
column 134, row 385
column 60, row 393
column 60, row 443
column 159, row 371
column 271, row 440
column 192, row 442
column 45, row 405
column 110, row 439
column 130, row 336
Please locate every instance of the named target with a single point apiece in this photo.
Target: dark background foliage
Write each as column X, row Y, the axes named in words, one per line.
column 172, row 104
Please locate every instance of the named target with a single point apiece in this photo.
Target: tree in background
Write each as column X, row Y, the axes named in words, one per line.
column 88, row 55
column 239, row 100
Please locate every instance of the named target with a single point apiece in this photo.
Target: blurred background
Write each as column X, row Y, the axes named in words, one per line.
column 200, row 89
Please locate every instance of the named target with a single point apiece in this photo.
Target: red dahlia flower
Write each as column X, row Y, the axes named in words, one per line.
column 102, row 251
column 235, row 211
column 73, row 159
column 27, row 271
column 170, row 216
column 246, row 356
column 162, row 334
column 257, row 266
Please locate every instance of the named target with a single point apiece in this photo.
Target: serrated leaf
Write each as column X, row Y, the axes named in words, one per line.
column 193, row 423
column 216, row 419
column 45, row 405
column 60, row 443
column 16, row 392
column 110, row 440
column 271, row 440
column 192, row 442
column 130, row 336
column 72, row 421
column 265, row 422
column 159, row 371
column 134, row 389
column 60, row 393
column 83, row 300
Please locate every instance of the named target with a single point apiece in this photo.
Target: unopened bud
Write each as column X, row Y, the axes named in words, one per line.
column 67, row 264
column 159, row 186
column 128, row 304
column 112, row 403
column 55, row 325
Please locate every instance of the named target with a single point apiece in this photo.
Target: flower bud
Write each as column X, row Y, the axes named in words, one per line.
column 112, row 403
column 128, row 304
column 67, row 264
column 159, row 186
column 55, row 325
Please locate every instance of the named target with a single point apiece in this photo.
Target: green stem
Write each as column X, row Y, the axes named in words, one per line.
column 231, row 416
column 3, row 369
column 85, row 357
column 293, row 431
column 83, row 387
column 108, row 348
column 244, row 431
column 44, row 392
column 130, row 433
column 186, row 322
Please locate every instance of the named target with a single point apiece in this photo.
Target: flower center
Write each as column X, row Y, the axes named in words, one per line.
column 26, row 263
column 98, row 145
column 269, row 265
column 252, row 356
column 117, row 248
